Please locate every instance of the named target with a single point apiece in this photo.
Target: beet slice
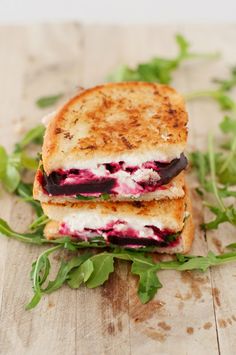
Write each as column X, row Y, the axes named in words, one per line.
column 51, row 185
column 168, row 172
column 122, row 241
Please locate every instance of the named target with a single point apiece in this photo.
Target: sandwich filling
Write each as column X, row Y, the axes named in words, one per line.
column 121, row 233
column 128, row 232
column 113, row 178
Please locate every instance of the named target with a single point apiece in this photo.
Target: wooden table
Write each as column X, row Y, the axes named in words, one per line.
column 193, row 313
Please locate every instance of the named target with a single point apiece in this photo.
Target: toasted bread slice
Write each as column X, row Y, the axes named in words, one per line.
column 174, row 216
column 172, row 190
column 134, row 122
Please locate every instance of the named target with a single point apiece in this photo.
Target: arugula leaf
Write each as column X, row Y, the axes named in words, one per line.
column 80, row 274
column 227, row 163
column 39, row 222
column 47, row 101
column 158, row 69
column 148, row 280
column 229, row 215
column 220, row 94
column 9, row 175
column 39, row 274
column 65, row 271
column 211, row 157
column 28, row 162
column 3, row 162
column 102, row 267
column 228, row 125
column 200, row 162
column 213, row 168
column 105, row 196
column 32, row 238
column 25, row 191
column 202, row 263
column 85, row 198
column 34, row 135
column 11, row 178
column 11, row 165
column 227, row 84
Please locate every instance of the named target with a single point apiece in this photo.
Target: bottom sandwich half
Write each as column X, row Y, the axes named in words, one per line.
column 160, row 226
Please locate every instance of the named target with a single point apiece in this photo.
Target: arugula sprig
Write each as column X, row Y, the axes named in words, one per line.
column 47, row 101
column 93, row 270
column 220, row 94
column 159, row 69
column 12, row 165
column 215, row 169
column 103, row 197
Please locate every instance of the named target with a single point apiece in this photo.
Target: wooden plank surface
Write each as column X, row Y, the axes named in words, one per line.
column 194, row 313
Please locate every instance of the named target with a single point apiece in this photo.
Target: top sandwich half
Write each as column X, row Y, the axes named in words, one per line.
column 121, row 140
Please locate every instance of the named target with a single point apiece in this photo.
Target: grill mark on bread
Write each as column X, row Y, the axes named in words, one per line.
column 137, row 204
column 127, row 143
column 58, row 130
column 89, row 147
column 68, row 135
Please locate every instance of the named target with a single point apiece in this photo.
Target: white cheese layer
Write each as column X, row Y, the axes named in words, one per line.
column 93, row 220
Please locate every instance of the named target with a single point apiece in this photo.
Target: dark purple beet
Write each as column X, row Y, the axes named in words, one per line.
column 136, row 241
column 168, row 172
column 51, row 185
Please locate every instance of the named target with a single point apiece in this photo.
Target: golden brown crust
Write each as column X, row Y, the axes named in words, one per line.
column 146, row 117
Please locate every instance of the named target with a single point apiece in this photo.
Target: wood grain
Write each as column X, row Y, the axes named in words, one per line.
column 193, row 313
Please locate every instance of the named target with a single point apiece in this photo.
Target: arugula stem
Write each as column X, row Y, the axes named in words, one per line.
column 44, row 253
column 230, row 156
column 40, row 221
column 211, row 156
column 201, row 93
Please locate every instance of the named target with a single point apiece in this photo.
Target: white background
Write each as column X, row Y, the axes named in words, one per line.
column 118, row 11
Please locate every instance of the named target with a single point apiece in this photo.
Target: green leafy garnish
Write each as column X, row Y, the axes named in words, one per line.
column 105, row 197
column 34, row 135
column 94, row 270
column 220, row 94
column 158, row 69
column 84, row 198
column 47, row 101
column 25, row 191
column 87, row 198
column 215, row 169
column 31, row 238
column 12, row 165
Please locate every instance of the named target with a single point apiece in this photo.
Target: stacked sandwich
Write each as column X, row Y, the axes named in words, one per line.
column 112, row 169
